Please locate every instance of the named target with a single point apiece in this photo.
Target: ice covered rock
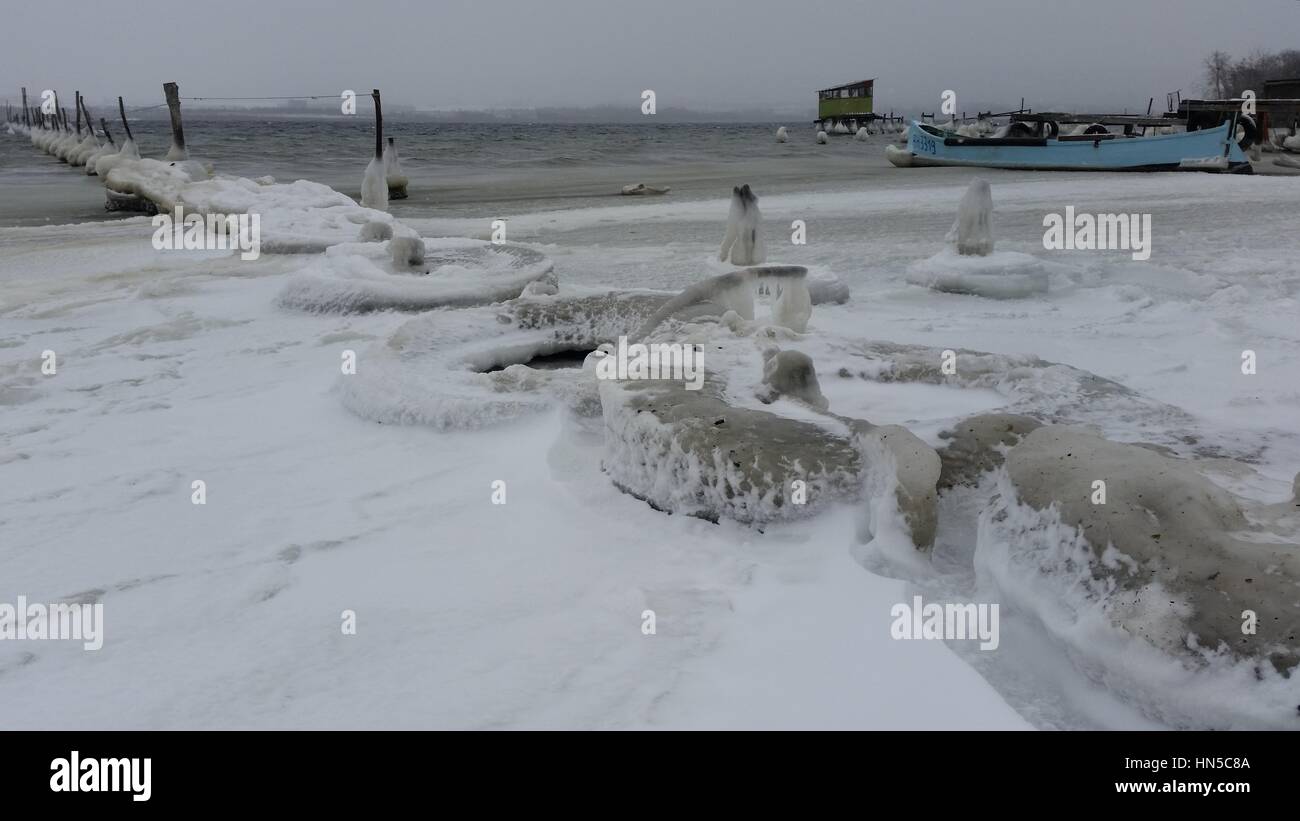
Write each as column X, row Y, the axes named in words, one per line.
column 1153, row 582
column 1292, row 143
column 694, row 453
column 1287, row 161
column 743, row 242
column 362, row 277
column 781, row 135
column 861, row 134
column 900, row 476
column 822, row 139
column 791, row 374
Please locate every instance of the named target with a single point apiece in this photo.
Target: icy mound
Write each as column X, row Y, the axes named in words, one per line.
column 1150, row 589
column 694, row 453
column 469, row 368
column 107, row 161
column 161, row 183
column 898, row 157
column 361, row 277
column 1000, row 275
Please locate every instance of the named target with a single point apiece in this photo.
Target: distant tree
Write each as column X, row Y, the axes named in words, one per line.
column 1225, row 77
column 1217, row 66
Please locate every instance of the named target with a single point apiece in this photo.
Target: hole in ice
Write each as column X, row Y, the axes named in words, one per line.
column 571, row 358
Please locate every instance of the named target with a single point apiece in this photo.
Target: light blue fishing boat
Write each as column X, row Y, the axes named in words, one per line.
column 1210, row 149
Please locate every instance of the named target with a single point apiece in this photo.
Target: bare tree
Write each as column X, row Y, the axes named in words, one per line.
column 1217, row 66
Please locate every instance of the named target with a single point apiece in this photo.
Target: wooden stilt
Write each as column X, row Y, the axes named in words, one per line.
column 121, row 109
column 178, row 150
column 379, row 126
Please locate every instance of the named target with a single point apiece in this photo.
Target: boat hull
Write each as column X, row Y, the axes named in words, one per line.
column 1193, row 150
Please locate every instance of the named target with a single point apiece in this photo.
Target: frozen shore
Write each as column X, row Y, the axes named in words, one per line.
column 179, row 366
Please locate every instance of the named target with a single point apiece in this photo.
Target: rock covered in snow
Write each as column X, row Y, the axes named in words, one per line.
column 791, row 374
column 376, row 231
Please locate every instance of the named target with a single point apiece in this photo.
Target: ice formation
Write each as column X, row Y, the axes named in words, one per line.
column 781, row 135
column 793, row 306
column 743, row 243
column 791, row 374
column 374, row 186
column 973, row 230
column 357, row 277
column 861, row 134
column 393, row 174
column 1292, row 143
column 972, row 267
column 375, row 231
column 822, row 139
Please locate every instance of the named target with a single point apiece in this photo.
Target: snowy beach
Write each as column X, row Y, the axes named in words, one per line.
column 183, row 366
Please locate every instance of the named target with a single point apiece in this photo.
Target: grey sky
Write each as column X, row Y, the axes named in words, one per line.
column 694, row 53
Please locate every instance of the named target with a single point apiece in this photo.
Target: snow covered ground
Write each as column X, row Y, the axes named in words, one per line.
column 178, row 366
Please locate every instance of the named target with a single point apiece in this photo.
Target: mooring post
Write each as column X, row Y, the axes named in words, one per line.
column 26, row 121
column 177, row 151
column 379, row 126
column 66, row 127
column 76, row 105
column 121, row 109
column 90, row 124
column 104, row 125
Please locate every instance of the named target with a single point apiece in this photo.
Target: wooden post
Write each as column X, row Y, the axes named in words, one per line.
column 177, row 151
column 379, row 126
column 66, row 127
column 121, row 109
column 76, row 110
column 90, row 124
column 26, row 121
column 104, row 125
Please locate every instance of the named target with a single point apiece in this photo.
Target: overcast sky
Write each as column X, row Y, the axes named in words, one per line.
column 702, row 54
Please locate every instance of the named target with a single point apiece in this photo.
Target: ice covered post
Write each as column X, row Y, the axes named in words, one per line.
column 374, row 185
column 397, row 180
column 26, row 120
column 121, row 109
column 76, row 109
column 974, row 226
column 178, row 150
column 743, row 242
column 104, row 125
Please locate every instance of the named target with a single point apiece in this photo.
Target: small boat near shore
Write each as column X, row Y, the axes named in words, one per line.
column 1210, row 149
